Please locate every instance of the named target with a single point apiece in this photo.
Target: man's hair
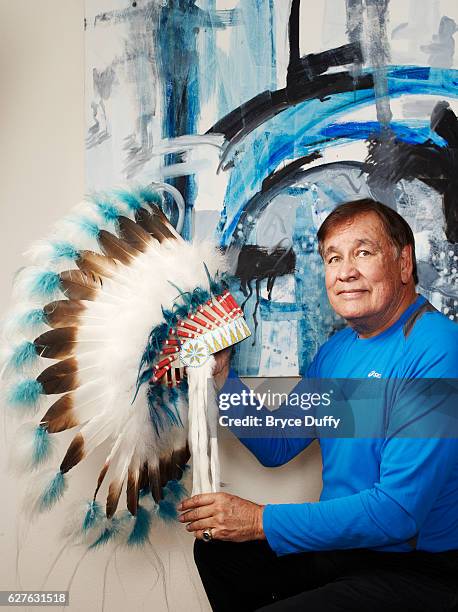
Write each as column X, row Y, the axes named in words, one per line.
column 397, row 229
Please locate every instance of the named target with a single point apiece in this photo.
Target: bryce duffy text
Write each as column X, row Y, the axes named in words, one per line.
column 279, row 422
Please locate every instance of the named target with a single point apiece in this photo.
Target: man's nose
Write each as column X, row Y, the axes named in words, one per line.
column 347, row 270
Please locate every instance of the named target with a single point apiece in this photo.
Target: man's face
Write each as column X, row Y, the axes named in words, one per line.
column 364, row 275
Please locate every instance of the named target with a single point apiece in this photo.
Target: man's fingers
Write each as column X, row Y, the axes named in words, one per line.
column 204, row 499
column 198, row 525
column 196, row 514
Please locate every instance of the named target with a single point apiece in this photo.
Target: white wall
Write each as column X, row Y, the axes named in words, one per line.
column 42, row 176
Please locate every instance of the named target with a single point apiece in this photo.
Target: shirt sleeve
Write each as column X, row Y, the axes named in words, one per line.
column 270, row 451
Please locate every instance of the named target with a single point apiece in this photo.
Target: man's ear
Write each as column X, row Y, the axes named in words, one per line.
column 406, row 264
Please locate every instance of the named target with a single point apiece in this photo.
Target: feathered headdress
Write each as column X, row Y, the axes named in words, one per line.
column 117, row 313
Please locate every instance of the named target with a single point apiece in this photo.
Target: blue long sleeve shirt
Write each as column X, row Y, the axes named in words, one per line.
column 378, row 493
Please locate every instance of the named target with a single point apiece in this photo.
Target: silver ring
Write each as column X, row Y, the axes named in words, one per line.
column 207, row 535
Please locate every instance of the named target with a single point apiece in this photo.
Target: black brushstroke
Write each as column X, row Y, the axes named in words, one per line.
column 273, row 185
column 293, row 32
column 445, row 123
column 391, row 160
column 250, row 115
column 311, row 66
column 275, row 177
column 305, row 81
column 257, row 263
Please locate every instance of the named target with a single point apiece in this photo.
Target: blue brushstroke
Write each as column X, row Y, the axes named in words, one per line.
column 301, row 129
column 52, row 493
column 25, row 393
column 249, row 65
column 415, row 131
column 139, row 534
column 179, row 25
column 412, row 72
column 24, row 354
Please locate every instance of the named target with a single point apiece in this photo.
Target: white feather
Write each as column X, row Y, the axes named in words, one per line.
column 24, row 283
column 37, row 485
column 75, row 513
column 20, row 458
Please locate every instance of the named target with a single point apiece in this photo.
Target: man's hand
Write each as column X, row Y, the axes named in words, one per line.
column 228, row 516
column 222, row 366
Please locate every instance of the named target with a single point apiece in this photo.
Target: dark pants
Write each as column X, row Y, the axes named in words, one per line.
column 249, row 576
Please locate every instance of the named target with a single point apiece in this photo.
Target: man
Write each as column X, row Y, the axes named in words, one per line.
column 384, row 534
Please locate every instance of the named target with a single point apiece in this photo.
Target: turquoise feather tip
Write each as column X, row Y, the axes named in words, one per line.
column 175, row 490
column 64, row 250
column 109, row 212
column 88, row 226
column 31, row 319
column 109, row 533
column 167, row 511
column 52, row 493
column 94, row 515
column 25, row 393
column 45, row 284
column 24, row 354
column 148, row 195
column 41, row 446
column 139, row 534
column 128, row 198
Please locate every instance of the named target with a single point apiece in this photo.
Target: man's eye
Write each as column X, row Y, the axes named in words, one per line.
column 333, row 259
column 363, row 253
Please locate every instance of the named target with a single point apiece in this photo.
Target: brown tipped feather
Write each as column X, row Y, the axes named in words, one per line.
column 96, row 263
column 155, row 483
column 114, row 492
column 116, row 248
column 102, row 474
column 63, row 313
column 162, row 217
column 143, row 482
column 60, row 416
column 57, row 343
column 80, row 285
column 132, row 491
column 74, row 454
column 165, row 469
column 153, row 225
column 179, row 459
column 133, row 234
column 60, row 377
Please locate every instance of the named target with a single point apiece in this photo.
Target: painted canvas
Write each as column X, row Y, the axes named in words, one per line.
column 257, row 117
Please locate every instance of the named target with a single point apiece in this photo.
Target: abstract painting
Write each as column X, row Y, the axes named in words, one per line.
column 255, row 118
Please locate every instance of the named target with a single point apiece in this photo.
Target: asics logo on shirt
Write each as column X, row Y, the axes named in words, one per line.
column 374, row 374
